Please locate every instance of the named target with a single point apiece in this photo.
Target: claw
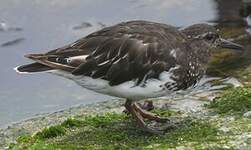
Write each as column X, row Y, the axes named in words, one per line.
column 163, row 120
column 153, row 130
column 149, row 115
column 139, row 114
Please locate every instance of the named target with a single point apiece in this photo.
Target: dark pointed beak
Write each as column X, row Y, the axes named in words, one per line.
column 230, row 45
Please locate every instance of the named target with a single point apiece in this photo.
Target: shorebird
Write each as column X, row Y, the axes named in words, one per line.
column 134, row 60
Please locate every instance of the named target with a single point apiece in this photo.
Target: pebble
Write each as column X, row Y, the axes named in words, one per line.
column 247, row 115
column 233, row 81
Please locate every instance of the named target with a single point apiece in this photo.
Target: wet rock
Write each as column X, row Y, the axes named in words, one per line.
column 246, row 8
column 12, row 42
column 247, row 114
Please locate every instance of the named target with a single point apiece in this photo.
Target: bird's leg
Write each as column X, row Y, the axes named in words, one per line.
column 128, row 106
column 131, row 107
column 149, row 115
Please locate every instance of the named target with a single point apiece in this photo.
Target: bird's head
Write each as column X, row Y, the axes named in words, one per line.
column 208, row 35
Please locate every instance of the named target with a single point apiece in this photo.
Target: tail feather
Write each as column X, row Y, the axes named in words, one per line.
column 45, row 62
column 32, row 68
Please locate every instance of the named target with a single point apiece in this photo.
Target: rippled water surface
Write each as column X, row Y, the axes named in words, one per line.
column 33, row 26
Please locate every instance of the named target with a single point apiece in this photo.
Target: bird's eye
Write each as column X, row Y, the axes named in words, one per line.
column 211, row 36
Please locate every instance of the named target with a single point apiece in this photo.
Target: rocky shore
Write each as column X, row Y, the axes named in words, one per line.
column 230, row 123
column 233, row 131
column 31, row 126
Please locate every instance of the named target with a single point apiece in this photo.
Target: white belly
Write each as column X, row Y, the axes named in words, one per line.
column 152, row 88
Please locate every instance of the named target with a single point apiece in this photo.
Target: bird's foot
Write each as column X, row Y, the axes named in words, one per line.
column 139, row 114
column 149, row 115
column 152, row 130
column 167, row 125
column 162, row 123
column 158, row 128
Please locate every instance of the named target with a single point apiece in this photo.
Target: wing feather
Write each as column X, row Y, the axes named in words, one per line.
column 135, row 50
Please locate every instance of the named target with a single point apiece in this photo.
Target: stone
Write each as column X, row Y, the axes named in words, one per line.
column 247, row 114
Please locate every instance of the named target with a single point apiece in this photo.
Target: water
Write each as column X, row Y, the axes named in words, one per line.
column 34, row 26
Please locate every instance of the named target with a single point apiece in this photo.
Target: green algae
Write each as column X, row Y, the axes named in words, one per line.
column 233, row 101
column 51, row 132
column 117, row 131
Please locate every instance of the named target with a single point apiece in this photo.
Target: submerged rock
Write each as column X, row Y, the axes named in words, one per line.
column 12, row 42
column 83, row 25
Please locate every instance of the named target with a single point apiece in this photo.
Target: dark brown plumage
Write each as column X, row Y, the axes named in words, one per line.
column 127, row 51
column 157, row 58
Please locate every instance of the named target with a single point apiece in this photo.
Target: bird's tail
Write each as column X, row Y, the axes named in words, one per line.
column 32, row 68
column 43, row 63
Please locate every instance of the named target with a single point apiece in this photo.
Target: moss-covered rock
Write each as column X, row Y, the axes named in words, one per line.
column 233, row 101
column 117, row 131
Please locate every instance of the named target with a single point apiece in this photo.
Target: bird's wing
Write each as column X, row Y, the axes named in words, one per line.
column 128, row 51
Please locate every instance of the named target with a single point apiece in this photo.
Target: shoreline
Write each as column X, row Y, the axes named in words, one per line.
column 36, row 123
column 44, row 113
column 191, row 107
column 9, row 134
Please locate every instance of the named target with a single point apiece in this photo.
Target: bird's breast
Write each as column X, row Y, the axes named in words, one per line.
column 151, row 88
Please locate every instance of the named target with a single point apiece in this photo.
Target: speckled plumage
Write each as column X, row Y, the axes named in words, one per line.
column 138, row 52
column 134, row 60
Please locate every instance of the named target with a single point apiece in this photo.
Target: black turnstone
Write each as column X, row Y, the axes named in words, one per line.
column 134, row 60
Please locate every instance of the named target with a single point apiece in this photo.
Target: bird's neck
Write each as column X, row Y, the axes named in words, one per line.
column 200, row 50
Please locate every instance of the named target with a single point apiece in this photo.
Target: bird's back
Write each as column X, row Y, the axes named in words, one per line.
column 137, row 51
